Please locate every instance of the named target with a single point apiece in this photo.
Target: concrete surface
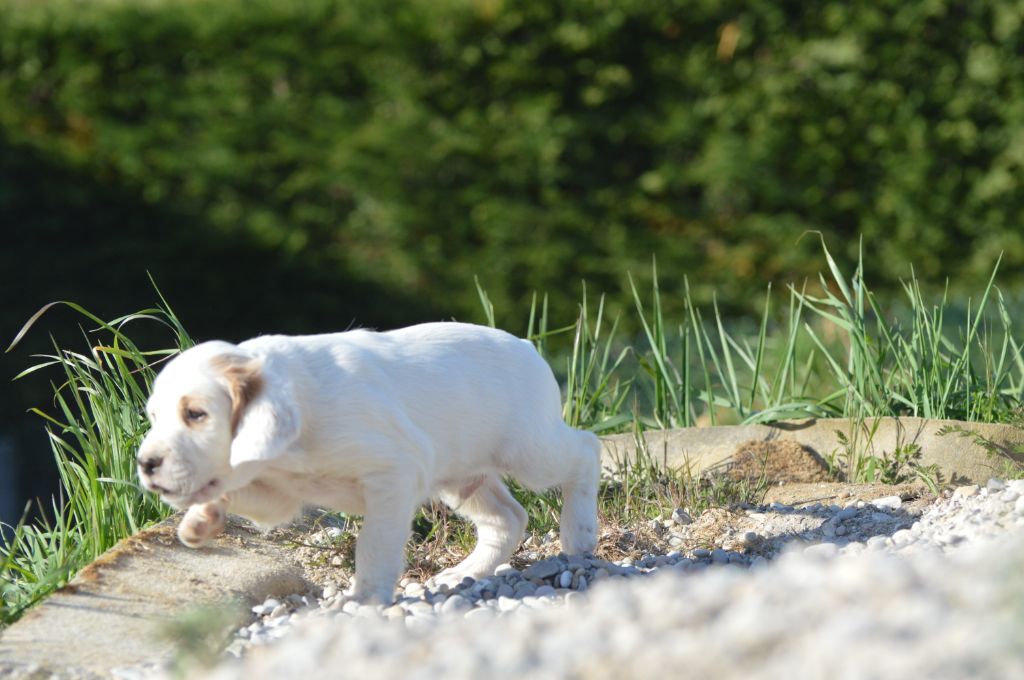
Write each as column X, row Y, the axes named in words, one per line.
column 960, row 459
column 111, row 615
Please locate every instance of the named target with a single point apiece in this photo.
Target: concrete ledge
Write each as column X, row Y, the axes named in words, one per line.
column 959, row 458
column 111, row 613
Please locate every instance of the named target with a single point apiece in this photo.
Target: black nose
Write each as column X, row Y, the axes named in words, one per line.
column 150, row 463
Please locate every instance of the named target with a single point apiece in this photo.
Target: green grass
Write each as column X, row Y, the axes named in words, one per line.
column 95, row 427
column 831, row 350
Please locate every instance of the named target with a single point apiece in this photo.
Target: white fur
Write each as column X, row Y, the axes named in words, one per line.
column 374, row 424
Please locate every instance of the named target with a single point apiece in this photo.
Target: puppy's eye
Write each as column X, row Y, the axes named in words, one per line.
column 194, row 415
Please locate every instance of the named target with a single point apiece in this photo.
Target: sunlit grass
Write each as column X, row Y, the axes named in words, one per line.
column 95, row 428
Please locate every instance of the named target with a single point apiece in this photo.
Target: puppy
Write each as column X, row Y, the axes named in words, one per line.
column 372, row 424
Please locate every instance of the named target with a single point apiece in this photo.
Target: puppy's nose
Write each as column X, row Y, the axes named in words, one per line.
column 149, row 463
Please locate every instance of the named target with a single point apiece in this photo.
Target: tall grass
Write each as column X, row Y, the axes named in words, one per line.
column 95, row 426
column 835, row 353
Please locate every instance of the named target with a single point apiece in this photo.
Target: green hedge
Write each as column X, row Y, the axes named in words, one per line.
column 408, row 146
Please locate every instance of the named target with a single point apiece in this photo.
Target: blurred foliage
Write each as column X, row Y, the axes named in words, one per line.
column 404, row 147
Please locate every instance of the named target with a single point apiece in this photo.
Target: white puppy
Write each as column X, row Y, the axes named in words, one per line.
column 371, row 424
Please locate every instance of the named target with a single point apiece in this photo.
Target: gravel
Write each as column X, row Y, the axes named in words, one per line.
column 869, row 590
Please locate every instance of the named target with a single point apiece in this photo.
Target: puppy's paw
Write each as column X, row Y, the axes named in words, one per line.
column 201, row 523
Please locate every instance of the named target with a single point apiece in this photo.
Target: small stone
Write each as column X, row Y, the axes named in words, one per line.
column 887, row 503
column 505, row 590
column 719, row 556
column 480, row 614
column 681, row 517
column 565, row 579
column 581, row 583
column 506, row 570
column 844, row 514
column 393, row 613
column 507, row 604
column 277, row 621
column 329, row 592
column 279, row 610
column 881, row 517
column 853, row 548
column 420, row 608
column 544, row 591
column 965, row 491
column 1009, row 496
column 543, row 569
column 903, row 537
column 995, row 485
column 877, row 542
column 601, row 573
column 268, row 606
column 701, row 552
column 456, row 604
column 414, row 589
column 841, row 530
column 524, row 588
column 822, row 550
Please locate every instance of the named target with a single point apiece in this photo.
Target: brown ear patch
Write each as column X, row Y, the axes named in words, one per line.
column 244, row 382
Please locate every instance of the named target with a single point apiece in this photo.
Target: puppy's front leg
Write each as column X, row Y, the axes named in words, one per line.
column 202, row 522
column 380, row 546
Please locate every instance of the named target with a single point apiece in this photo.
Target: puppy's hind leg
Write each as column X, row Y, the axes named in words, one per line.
column 570, row 459
column 500, row 522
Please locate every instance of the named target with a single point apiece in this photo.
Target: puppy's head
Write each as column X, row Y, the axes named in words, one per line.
column 212, row 408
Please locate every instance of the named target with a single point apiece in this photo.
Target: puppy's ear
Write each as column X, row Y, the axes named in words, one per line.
column 264, row 416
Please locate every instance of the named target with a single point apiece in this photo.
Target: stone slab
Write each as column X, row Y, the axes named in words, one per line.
column 960, row 459
column 112, row 613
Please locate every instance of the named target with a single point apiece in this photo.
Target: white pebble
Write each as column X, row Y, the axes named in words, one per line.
column 903, row 537
column 821, row 550
column 507, row 604
column 887, row 503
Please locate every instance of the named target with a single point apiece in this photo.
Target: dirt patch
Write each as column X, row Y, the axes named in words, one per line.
column 914, row 495
column 777, row 461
